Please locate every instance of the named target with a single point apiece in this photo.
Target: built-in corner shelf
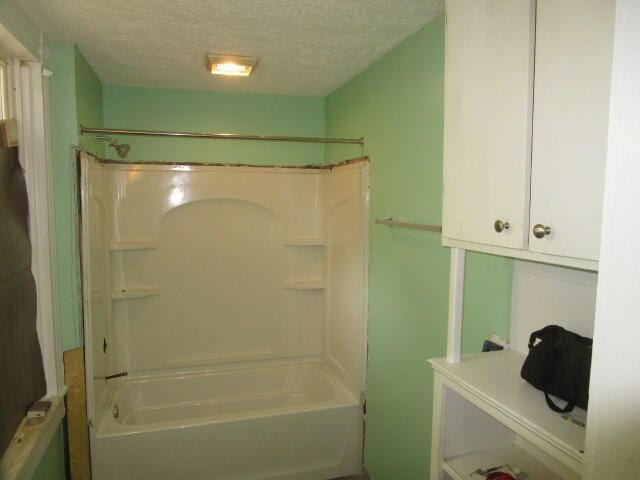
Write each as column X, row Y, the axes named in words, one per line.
column 96, row 294
column 491, row 381
column 304, row 284
column 459, row 468
column 141, row 291
column 133, row 245
column 304, row 241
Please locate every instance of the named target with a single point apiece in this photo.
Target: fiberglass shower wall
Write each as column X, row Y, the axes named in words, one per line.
column 194, row 266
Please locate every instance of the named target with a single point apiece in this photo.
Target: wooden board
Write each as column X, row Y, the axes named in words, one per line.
column 77, row 427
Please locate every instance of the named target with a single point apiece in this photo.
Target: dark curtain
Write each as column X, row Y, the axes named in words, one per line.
column 21, row 372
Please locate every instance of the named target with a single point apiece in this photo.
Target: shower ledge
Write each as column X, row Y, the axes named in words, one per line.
column 133, row 245
column 304, row 241
column 125, row 293
column 304, row 285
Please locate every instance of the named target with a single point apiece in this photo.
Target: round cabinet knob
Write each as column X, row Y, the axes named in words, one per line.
column 499, row 226
column 540, row 231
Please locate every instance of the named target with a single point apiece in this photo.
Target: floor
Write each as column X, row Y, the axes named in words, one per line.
column 353, row 477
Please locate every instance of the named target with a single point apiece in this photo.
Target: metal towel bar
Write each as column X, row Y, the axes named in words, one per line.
column 390, row 222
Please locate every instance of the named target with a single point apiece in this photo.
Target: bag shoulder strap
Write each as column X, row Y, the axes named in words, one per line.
column 568, row 408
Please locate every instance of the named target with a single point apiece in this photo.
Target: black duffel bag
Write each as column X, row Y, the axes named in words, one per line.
column 559, row 365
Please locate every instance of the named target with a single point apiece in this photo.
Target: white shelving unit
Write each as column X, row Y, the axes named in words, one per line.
column 485, row 415
column 539, row 211
column 491, row 382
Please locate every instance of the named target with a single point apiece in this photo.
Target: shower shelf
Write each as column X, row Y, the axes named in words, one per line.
column 133, row 245
column 304, row 241
column 96, row 294
column 134, row 292
column 304, row 285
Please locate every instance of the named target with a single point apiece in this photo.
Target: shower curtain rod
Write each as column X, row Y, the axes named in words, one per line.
column 219, row 136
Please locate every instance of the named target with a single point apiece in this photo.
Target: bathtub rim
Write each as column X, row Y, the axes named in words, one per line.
column 109, row 426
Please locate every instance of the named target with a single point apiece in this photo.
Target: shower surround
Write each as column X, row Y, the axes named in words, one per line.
column 234, row 298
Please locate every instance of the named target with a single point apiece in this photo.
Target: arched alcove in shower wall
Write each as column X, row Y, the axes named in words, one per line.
column 219, row 269
column 214, row 277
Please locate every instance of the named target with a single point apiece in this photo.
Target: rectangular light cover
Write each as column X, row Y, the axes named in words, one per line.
column 230, row 65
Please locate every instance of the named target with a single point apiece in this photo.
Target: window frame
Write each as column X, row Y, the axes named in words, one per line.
column 27, row 101
column 28, row 95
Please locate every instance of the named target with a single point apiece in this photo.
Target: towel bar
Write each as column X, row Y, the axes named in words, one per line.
column 390, row 222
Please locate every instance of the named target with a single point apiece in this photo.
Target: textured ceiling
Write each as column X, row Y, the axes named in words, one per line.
column 306, row 47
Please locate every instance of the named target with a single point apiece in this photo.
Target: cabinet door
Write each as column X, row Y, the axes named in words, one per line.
column 574, row 43
column 487, row 128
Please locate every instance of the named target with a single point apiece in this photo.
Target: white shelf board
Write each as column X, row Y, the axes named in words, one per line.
column 141, row 291
column 522, row 254
column 133, row 245
column 494, row 379
column 304, row 284
column 304, row 241
column 459, row 468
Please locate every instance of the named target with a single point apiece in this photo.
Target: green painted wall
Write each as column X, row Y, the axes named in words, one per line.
column 75, row 97
column 154, row 109
column 397, row 105
column 89, row 111
column 64, row 137
column 52, row 465
column 14, row 19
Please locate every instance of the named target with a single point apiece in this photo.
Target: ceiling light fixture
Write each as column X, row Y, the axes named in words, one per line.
column 230, row 65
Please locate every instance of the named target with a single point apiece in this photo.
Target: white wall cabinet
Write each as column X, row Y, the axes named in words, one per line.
column 527, row 160
column 572, row 84
column 487, row 138
column 531, row 154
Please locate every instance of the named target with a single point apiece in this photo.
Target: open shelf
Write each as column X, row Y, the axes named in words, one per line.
column 459, row 468
column 492, row 382
column 133, row 245
column 141, row 291
column 304, row 284
column 304, row 241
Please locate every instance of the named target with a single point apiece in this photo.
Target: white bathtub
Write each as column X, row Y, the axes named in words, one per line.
column 256, row 422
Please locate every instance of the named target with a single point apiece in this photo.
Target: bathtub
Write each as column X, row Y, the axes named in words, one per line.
column 292, row 421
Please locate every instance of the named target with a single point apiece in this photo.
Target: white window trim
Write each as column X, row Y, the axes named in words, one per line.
column 35, row 157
